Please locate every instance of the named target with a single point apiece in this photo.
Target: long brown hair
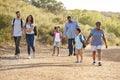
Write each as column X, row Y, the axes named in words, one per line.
column 32, row 19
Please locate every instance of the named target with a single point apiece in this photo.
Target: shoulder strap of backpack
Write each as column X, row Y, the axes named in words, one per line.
column 21, row 23
column 13, row 22
column 80, row 36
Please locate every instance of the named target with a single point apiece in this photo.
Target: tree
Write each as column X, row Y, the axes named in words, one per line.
column 51, row 5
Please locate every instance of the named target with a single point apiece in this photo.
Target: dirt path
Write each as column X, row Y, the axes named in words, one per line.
column 46, row 67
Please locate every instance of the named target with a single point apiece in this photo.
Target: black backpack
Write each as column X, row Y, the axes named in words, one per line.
column 20, row 20
column 83, row 41
column 35, row 31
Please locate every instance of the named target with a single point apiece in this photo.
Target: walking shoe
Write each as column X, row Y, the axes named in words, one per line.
column 99, row 64
column 76, row 61
column 29, row 57
column 94, row 63
column 16, row 56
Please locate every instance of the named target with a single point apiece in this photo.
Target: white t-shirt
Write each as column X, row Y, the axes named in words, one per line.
column 28, row 26
column 17, row 29
column 57, row 37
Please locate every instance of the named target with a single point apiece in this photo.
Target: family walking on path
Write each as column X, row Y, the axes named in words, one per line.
column 76, row 41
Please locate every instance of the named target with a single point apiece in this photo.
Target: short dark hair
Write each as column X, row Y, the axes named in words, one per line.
column 78, row 29
column 17, row 12
column 68, row 17
column 98, row 23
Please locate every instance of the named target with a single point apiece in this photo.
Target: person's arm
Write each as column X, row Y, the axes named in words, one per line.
column 104, row 39
column 12, row 28
column 65, row 30
column 87, row 41
column 31, row 28
column 77, row 26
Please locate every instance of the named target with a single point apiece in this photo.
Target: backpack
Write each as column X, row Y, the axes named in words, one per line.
column 20, row 20
column 83, row 41
column 35, row 30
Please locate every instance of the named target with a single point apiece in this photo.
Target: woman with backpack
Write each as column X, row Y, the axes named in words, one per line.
column 29, row 30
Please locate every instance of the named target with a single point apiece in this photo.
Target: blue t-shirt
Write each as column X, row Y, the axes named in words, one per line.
column 97, row 37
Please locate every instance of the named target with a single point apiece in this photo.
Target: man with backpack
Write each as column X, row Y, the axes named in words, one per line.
column 16, row 32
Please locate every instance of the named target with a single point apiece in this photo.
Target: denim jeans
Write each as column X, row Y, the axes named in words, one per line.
column 30, row 42
column 71, row 43
column 17, row 44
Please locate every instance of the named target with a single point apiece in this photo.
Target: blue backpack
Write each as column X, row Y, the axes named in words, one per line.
column 83, row 41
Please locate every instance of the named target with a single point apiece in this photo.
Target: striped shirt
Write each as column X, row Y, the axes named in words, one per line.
column 96, row 37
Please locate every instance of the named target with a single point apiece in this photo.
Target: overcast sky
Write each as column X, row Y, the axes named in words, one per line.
column 99, row 5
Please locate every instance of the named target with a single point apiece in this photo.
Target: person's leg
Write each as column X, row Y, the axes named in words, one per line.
column 94, row 53
column 15, row 38
column 81, row 55
column 74, row 46
column 94, row 56
column 32, row 44
column 57, row 51
column 28, row 44
column 18, row 45
column 70, row 46
column 77, row 56
column 53, row 51
column 99, row 55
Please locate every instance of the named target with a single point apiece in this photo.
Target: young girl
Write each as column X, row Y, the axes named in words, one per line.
column 57, row 40
column 29, row 26
column 79, row 45
column 98, row 37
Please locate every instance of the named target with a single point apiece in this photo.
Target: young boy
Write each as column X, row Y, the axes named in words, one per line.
column 78, row 45
column 57, row 39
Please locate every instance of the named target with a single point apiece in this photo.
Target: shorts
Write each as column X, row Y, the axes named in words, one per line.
column 57, row 44
column 79, row 51
column 95, row 48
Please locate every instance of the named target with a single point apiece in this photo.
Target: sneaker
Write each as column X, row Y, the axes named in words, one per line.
column 76, row 61
column 94, row 63
column 69, row 55
column 16, row 56
column 99, row 64
column 29, row 57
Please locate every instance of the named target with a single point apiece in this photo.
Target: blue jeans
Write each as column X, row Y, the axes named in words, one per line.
column 30, row 42
column 71, row 42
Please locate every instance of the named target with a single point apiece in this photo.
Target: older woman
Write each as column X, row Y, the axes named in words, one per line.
column 97, row 35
